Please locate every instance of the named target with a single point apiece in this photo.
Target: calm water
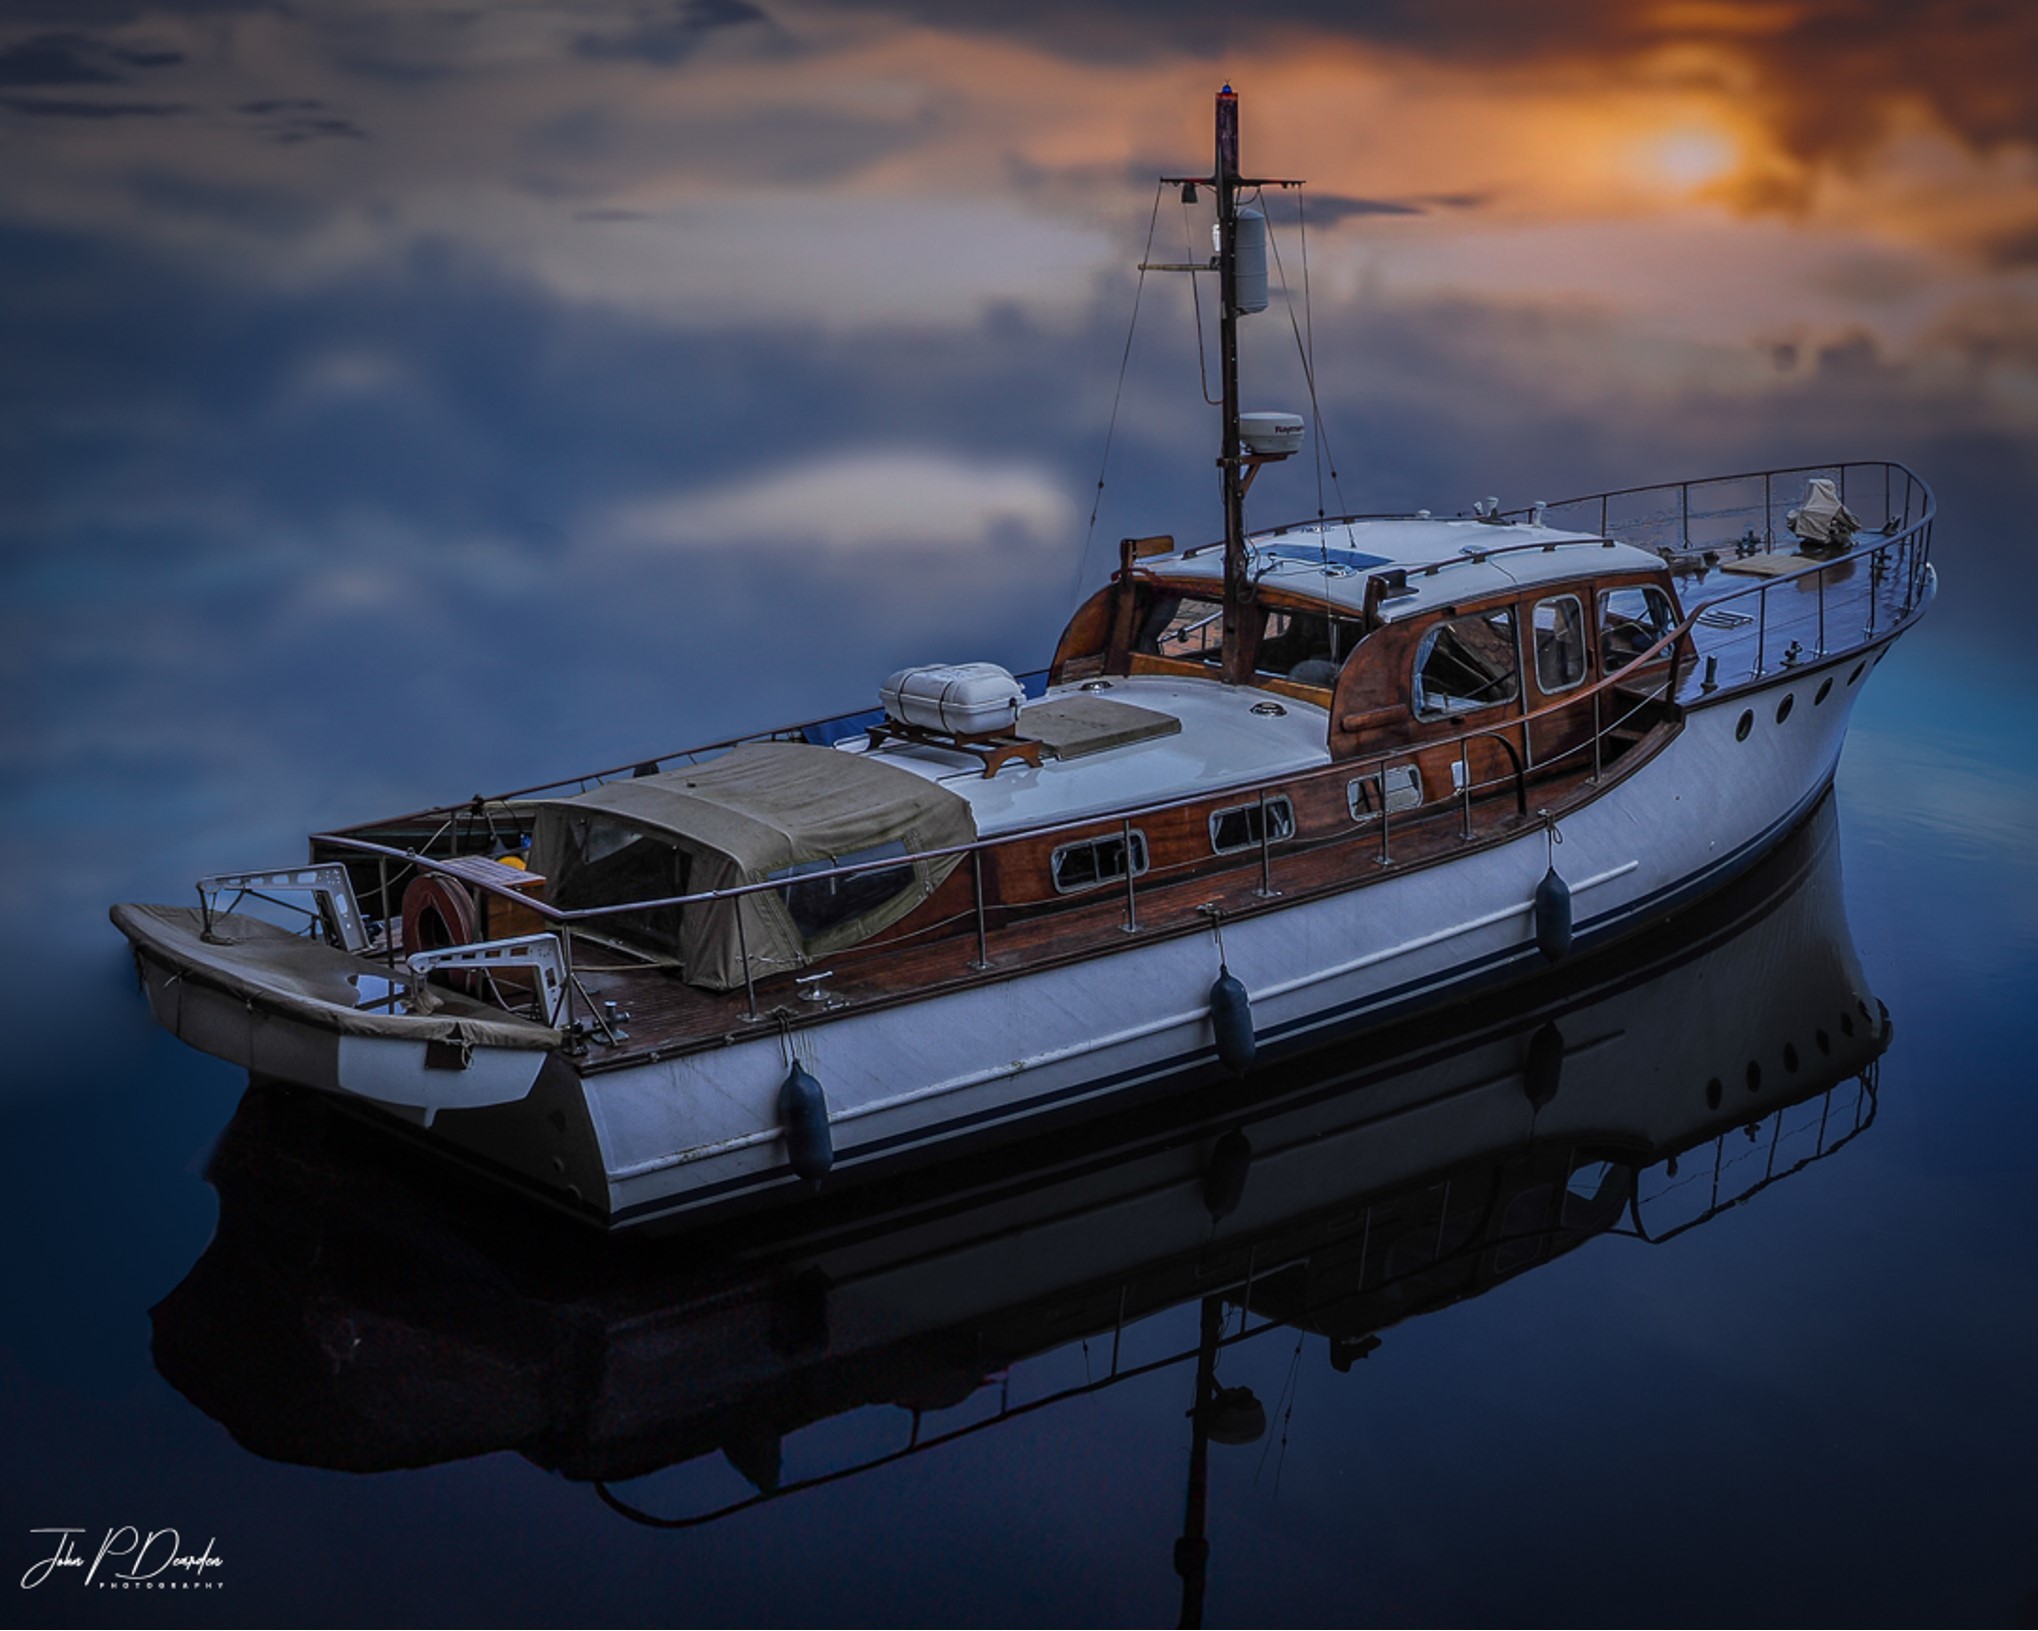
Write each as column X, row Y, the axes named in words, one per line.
column 399, row 400
column 1663, row 1350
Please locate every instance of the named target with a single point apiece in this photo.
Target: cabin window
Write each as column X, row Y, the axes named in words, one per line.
column 608, row 863
column 1404, row 792
column 1187, row 628
column 1306, row 648
column 1095, row 861
column 1631, row 621
column 818, row 905
column 1560, row 643
column 1240, row 828
column 1466, row 663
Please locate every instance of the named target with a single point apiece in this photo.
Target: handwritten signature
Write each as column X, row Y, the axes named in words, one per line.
column 157, row 1561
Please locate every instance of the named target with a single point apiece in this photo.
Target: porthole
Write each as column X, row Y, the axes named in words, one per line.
column 1846, row 1024
column 1859, row 670
column 1783, row 708
column 1824, row 1041
column 1746, row 724
column 1754, row 1077
column 1713, row 1093
column 1825, row 691
column 1790, row 1056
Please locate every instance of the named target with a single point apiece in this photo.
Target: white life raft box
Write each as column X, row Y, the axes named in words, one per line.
column 960, row 699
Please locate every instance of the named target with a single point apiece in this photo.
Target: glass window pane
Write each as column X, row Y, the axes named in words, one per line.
column 1188, row 628
column 608, row 863
column 1631, row 621
column 822, row 904
column 1560, row 643
column 1465, row 664
column 1096, row 860
column 1305, row 647
column 1240, row 828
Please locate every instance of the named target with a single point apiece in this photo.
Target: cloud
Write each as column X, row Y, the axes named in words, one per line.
column 1327, row 209
column 664, row 34
column 1830, row 80
column 287, row 120
column 51, row 108
column 2013, row 247
column 44, row 60
column 50, row 59
column 880, row 500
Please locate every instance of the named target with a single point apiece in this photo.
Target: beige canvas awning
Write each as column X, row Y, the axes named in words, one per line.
column 766, row 810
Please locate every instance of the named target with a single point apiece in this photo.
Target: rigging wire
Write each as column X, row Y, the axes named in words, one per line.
column 1319, row 449
column 1196, row 300
column 1307, row 352
column 1289, row 1389
column 1111, row 429
column 1309, row 334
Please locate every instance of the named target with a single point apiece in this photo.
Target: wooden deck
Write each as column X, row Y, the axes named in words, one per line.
column 669, row 1017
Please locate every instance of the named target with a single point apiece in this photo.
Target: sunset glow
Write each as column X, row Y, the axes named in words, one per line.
column 1690, row 156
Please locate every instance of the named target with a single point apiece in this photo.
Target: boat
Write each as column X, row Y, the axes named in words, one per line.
column 1272, row 789
column 352, row 1312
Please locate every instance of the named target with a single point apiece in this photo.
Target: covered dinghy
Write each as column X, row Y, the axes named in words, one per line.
column 768, row 810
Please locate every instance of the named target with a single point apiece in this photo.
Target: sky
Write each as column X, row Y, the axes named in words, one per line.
column 404, row 400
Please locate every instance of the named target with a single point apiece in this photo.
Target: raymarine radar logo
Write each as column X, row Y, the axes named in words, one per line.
column 126, row 1560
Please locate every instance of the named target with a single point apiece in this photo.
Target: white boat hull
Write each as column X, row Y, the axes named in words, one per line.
column 698, row 1131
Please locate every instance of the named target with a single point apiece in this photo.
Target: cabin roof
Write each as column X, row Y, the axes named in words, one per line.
column 1221, row 740
column 1333, row 561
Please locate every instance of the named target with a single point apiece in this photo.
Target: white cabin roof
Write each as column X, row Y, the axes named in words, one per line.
column 1221, row 740
column 1333, row 561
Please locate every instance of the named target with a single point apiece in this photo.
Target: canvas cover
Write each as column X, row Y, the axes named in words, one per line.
column 1820, row 517
column 764, row 810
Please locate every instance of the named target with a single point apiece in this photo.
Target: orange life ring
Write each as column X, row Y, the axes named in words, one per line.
column 437, row 912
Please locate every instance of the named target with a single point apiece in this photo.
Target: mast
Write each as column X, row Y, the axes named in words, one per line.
column 1235, row 467
column 1236, row 589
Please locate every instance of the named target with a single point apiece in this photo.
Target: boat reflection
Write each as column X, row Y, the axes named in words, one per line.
column 359, row 1310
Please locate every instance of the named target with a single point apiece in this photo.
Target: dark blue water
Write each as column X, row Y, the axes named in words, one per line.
column 321, row 498
column 384, row 1398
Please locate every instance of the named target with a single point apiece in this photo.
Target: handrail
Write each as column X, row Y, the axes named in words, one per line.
column 1738, row 475
column 785, row 731
column 1504, row 516
column 1868, row 1095
column 1374, row 765
column 1350, row 769
column 777, row 733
